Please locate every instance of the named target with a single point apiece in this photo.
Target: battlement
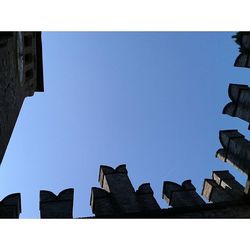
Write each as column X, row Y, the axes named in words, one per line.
column 118, row 195
column 10, row 206
column 222, row 187
column 243, row 39
column 236, row 150
column 21, row 75
column 101, row 202
column 226, row 197
column 240, row 102
column 56, row 206
column 181, row 195
column 226, row 194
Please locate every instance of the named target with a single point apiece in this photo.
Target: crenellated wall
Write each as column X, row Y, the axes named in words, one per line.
column 118, row 195
column 243, row 39
column 116, row 198
column 56, row 206
column 181, row 195
column 224, row 194
column 10, row 206
column 226, row 198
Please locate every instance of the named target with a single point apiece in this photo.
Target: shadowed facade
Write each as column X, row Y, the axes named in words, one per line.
column 226, row 198
column 243, row 39
column 21, row 74
column 57, row 206
column 117, row 196
column 240, row 102
column 10, row 206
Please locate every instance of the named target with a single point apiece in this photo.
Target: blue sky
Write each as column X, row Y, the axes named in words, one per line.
column 152, row 100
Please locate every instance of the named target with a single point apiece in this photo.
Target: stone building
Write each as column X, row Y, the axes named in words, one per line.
column 21, row 74
column 243, row 39
column 223, row 196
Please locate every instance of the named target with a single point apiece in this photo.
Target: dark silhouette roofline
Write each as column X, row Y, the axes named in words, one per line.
column 40, row 85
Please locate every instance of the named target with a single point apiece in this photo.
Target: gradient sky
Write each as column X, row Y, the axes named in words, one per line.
column 151, row 100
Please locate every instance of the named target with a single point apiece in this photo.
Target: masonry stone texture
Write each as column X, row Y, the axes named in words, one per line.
column 236, row 150
column 21, row 75
column 222, row 196
column 226, row 198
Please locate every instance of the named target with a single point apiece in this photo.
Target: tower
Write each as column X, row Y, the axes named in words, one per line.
column 21, row 74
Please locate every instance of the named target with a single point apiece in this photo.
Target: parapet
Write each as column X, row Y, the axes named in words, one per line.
column 117, row 195
column 181, row 195
column 240, row 105
column 117, row 198
column 106, row 170
column 145, row 197
column 243, row 39
column 56, row 206
column 213, row 192
column 236, row 150
column 10, row 206
column 101, row 202
column 227, row 199
column 222, row 187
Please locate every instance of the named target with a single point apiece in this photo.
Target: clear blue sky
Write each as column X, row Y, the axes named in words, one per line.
column 151, row 100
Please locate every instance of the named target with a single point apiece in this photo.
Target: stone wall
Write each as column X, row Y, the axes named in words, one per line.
column 17, row 60
column 117, row 198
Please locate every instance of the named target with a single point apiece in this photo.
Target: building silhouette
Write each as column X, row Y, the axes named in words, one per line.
column 223, row 196
column 21, row 74
column 243, row 39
